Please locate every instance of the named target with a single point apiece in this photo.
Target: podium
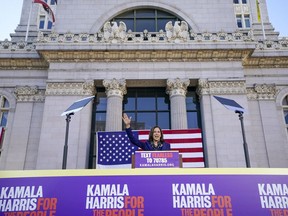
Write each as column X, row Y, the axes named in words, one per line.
column 156, row 159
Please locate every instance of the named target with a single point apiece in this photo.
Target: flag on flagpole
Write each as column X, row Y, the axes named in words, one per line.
column 1, row 136
column 114, row 149
column 258, row 11
column 47, row 8
column 260, row 18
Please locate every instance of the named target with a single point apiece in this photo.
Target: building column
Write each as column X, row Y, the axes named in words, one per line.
column 177, row 89
column 115, row 90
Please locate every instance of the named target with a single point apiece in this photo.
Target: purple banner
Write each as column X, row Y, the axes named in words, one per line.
column 157, row 159
column 145, row 195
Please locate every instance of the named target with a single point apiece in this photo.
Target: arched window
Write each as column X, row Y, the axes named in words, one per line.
column 4, row 108
column 285, row 110
column 150, row 19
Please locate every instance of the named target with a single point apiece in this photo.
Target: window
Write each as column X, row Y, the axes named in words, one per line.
column 100, row 107
column 53, row 2
column 4, row 108
column 247, row 21
column 49, row 26
column 148, row 107
column 239, row 1
column 42, row 22
column 285, row 110
column 193, row 109
column 150, row 19
column 239, row 21
column 45, row 23
column 98, row 122
column 243, row 21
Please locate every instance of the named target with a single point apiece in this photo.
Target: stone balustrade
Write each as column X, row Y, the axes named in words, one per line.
column 144, row 37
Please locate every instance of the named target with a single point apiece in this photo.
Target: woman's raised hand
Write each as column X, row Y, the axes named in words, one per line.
column 126, row 120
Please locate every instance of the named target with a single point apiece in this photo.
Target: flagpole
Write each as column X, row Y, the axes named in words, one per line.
column 28, row 24
column 262, row 25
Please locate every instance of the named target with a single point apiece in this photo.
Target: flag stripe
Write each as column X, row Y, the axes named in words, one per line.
column 173, row 136
column 182, row 131
column 184, row 145
column 192, row 155
column 192, row 160
column 183, row 140
column 194, row 164
column 182, row 150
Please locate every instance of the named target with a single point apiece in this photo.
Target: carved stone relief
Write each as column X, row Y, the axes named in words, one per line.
column 115, row 87
column 177, row 86
column 70, row 88
column 29, row 94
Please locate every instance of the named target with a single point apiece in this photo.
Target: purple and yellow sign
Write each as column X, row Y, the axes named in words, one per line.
column 157, row 159
column 145, row 192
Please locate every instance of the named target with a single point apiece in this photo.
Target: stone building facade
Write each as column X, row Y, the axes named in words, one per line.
column 181, row 52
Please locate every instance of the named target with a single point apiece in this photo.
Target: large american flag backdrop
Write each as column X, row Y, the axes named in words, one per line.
column 114, row 149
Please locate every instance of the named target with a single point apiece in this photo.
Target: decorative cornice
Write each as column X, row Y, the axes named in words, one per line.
column 23, row 63
column 70, row 88
column 29, row 94
column 115, row 87
column 220, row 87
column 266, row 62
column 180, row 55
column 17, row 46
column 262, row 92
column 281, row 44
column 177, row 86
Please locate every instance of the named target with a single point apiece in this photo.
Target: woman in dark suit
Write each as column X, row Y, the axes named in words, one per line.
column 155, row 142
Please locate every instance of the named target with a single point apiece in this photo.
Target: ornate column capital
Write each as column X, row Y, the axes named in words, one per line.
column 29, row 94
column 70, row 88
column 177, row 86
column 115, row 87
column 222, row 87
column 262, row 92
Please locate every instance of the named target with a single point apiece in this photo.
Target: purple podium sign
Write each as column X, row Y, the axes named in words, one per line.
column 157, row 159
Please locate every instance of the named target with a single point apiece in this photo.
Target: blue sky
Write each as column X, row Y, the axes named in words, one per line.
column 10, row 11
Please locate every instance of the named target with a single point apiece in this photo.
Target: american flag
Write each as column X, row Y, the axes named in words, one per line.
column 114, row 149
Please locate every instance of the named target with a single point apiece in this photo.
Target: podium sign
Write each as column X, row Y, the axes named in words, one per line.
column 157, row 159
